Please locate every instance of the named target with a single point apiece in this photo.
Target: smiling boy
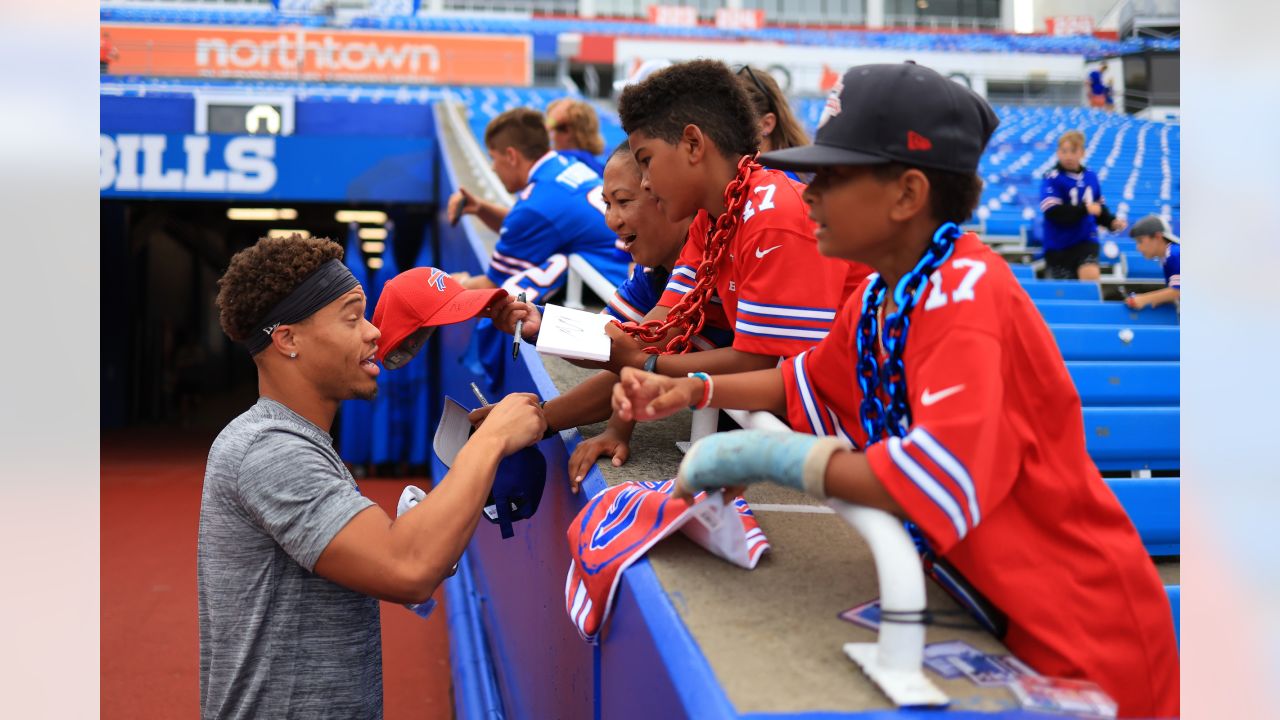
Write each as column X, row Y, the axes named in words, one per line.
column 690, row 126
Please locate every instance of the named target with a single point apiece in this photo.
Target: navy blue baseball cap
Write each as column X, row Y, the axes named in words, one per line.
column 905, row 113
column 517, row 489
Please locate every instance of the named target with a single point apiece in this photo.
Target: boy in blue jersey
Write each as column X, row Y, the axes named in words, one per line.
column 558, row 212
column 1071, row 200
column 1099, row 90
column 1156, row 241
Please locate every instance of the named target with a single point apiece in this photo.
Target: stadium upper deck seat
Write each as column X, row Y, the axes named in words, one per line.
column 542, row 29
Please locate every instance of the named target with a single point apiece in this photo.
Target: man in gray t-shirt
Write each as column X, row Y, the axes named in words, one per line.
column 292, row 558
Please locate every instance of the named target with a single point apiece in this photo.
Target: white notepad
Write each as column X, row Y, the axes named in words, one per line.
column 574, row 334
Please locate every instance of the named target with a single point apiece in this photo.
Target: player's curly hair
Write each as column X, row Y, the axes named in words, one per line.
column 952, row 196
column 704, row 93
column 263, row 274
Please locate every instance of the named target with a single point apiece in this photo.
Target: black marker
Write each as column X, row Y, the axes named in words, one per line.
column 515, row 343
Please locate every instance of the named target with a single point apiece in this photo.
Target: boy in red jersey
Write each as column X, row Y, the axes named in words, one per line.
column 928, row 411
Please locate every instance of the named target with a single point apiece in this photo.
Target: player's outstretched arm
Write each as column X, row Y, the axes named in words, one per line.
column 405, row 560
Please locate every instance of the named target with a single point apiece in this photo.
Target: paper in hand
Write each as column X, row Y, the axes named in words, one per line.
column 574, row 334
column 452, row 432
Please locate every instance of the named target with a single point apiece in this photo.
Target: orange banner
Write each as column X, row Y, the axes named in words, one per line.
column 321, row 55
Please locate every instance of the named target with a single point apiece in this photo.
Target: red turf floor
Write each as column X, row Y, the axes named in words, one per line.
column 150, row 634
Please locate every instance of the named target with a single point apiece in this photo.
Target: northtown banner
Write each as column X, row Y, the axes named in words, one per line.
column 321, row 55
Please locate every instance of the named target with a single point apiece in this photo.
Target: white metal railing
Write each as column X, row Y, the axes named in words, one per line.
column 581, row 271
column 895, row 660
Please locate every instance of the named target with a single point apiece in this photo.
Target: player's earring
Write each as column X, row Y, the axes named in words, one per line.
column 293, row 355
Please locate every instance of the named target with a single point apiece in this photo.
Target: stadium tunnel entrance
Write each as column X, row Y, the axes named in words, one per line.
column 174, row 165
column 165, row 360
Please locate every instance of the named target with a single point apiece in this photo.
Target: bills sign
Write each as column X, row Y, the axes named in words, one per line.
column 309, row 54
column 225, row 167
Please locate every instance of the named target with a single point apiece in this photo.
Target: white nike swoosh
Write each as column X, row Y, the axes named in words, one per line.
column 761, row 253
column 927, row 398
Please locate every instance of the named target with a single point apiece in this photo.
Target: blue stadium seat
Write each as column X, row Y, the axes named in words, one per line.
column 1153, row 506
column 1144, row 384
column 1061, row 290
column 1107, row 342
column 1133, row 438
column 1175, row 604
column 1137, row 266
column 1082, row 312
column 1023, row 271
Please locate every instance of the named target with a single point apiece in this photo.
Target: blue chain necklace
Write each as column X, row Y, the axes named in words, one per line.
column 877, row 419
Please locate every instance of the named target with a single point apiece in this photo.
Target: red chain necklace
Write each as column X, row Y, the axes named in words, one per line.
column 690, row 313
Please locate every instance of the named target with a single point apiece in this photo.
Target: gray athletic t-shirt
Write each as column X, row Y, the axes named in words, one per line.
column 276, row 640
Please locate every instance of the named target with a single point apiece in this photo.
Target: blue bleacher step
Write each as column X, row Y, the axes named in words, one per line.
column 1116, row 342
column 1088, row 312
column 1133, row 438
column 1126, row 384
column 1023, row 271
column 1061, row 290
column 1153, row 504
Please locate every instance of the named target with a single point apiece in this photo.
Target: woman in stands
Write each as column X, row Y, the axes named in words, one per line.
column 575, row 131
column 779, row 127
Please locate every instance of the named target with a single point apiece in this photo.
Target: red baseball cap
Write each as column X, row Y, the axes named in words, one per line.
column 422, row 299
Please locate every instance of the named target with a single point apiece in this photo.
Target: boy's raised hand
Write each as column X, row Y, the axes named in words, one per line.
column 460, row 203
column 508, row 311
column 643, row 396
column 610, row 442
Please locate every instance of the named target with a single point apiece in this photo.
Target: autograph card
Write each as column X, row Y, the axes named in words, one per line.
column 866, row 615
column 1079, row 698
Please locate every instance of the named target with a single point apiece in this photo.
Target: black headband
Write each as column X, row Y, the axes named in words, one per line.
column 329, row 282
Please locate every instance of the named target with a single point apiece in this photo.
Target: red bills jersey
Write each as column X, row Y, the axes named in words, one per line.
column 620, row 524
column 774, row 291
column 994, row 472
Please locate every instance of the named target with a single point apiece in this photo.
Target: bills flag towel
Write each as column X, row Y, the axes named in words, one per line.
column 620, row 524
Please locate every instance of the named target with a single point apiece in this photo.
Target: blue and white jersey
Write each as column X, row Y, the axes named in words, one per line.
column 1173, row 266
column 641, row 292
column 585, row 158
column 1073, row 189
column 559, row 213
column 1096, row 84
